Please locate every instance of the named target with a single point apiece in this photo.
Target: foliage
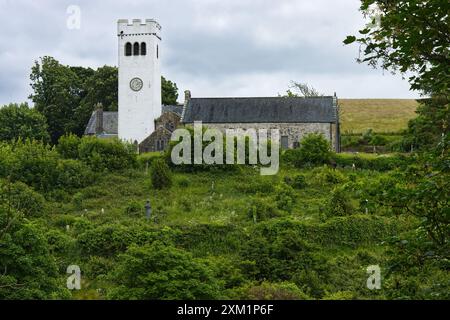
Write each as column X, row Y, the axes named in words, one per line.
column 22, row 198
column 314, row 150
column 404, row 38
column 261, row 209
column 297, row 182
column 273, row 291
column 158, row 271
column 431, row 124
column 68, row 146
column 285, row 197
column 106, row 154
column 339, row 203
column 169, row 92
column 21, row 121
column 372, row 162
column 161, row 175
column 73, row 174
column 29, row 270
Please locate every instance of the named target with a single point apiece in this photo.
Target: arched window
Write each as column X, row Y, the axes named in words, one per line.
column 128, row 48
column 136, row 49
column 143, row 49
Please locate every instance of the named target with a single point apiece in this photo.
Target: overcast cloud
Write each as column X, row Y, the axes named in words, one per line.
column 212, row 47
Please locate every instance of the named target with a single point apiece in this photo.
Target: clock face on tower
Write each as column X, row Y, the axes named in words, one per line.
column 136, row 84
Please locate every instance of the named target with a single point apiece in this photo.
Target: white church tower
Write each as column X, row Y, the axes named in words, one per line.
column 139, row 78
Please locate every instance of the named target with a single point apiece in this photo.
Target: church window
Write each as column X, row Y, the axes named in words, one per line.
column 128, row 48
column 157, row 51
column 143, row 49
column 136, row 49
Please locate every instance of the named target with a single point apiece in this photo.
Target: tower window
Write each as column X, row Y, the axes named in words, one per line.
column 143, row 49
column 157, row 51
column 136, row 49
column 128, row 48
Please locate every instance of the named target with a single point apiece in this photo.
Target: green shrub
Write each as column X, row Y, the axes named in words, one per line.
column 285, row 197
column 145, row 159
column 165, row 272
column 261, row 209
column 161, row 175
column 98, row 266
column 339, row 203
column 74, row 174
column 314, row 149
column 184, row 182
column 134, row 208
column 77, row 200
column 107, row 154
column 329, row 175
column 263, row 185
column 372, row 162
column 35, row 164
column 68, row 146
column 22, row 198
column 273, row 291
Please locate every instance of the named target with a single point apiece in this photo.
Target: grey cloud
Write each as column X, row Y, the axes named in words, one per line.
column 217, row 47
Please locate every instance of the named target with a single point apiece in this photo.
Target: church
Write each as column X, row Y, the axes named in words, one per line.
column 143, row 120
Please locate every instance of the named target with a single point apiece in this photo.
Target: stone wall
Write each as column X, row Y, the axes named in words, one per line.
column 294, row 131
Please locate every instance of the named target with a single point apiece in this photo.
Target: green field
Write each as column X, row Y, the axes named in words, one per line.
column 380, row 115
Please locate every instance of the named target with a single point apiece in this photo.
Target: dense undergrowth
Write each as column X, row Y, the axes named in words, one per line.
column 309, row 232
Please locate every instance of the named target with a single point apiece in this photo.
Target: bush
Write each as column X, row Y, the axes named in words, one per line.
column 273, row 291
column 297, row 182
column 328, row 175
column 35, row 164
column 161, row 175
column 134, row 208
column 372, row 162
column 107, row 154
column 314, row 149
column 165, row 272
column 285, row 197
column 261, row 209
column 339, row 203
column 184, row 182
column 22, row 198
column 73, row 174
column 68, row 146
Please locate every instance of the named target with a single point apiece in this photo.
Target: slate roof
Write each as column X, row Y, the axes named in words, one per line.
column 178, row 109
column 260, row 110
column 110, row 122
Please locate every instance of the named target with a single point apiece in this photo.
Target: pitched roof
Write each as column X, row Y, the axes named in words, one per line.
column 178, row 109
column 260, row 110
column 110, row 122
column 110, row 119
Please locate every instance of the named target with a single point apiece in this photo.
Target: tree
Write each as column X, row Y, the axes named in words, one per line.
column 57, row 93
column 408, row 36
column 297, row 89
column 169, row 92
column 412, row 36
column 20, row 121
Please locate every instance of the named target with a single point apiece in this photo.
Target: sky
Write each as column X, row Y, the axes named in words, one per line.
column 215, row 48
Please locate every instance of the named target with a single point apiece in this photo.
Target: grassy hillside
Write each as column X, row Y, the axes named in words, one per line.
column 381, row 115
